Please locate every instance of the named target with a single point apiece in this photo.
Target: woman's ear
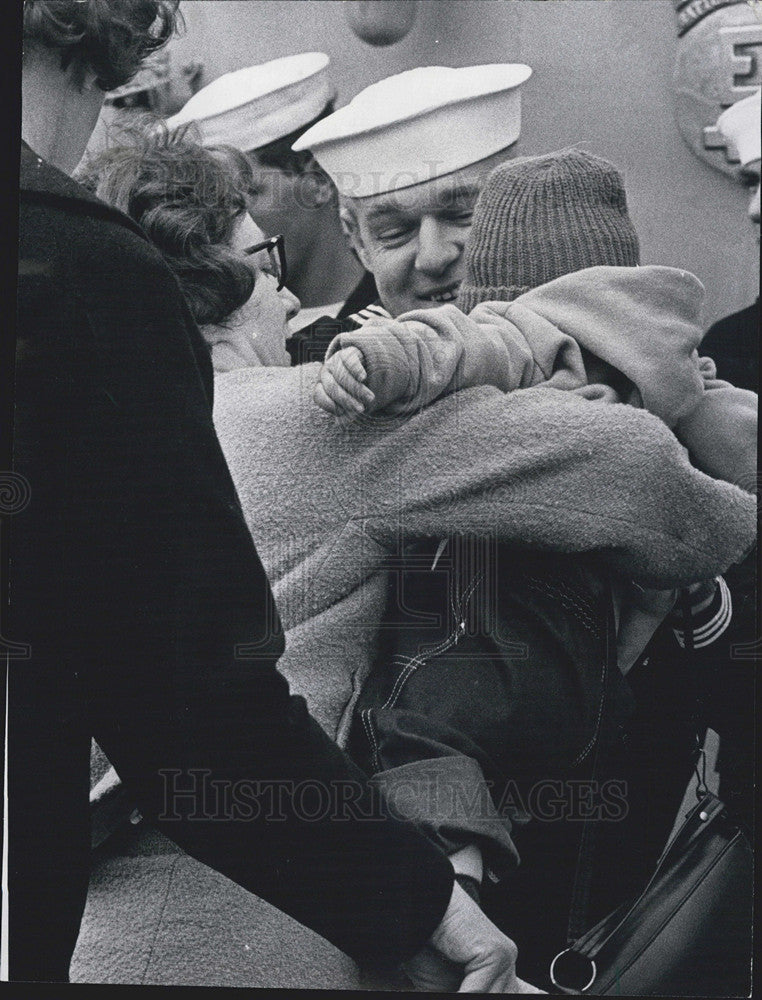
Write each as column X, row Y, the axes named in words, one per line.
column 82, row 77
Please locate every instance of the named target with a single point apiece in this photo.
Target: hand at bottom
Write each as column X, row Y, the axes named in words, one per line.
column 467, row 954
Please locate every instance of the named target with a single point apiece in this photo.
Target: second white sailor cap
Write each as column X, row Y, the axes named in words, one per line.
column 418, row 125
column 251, row 107
column 740, row 124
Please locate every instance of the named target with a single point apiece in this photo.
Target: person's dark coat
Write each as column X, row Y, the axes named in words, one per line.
column 148, row 619
column 362, row 294
column 485, row 720
column 733, row 344
column 311, row 342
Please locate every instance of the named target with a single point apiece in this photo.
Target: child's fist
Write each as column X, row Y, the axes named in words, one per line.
column 341, row 388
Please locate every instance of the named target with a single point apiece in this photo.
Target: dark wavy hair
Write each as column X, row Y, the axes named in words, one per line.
column 109, row 37
column 188, row 200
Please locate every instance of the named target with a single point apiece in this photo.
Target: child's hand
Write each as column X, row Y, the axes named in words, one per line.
column 340, row 389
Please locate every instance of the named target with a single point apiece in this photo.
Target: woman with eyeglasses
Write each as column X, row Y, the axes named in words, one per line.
column 191, row 202
column 330, row 507
column 134, row 576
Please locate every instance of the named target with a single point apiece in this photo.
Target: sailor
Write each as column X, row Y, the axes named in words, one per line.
column 733, row 342
column 262, row 110
column 408, row 155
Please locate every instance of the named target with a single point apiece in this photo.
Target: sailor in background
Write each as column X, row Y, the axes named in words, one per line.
column 733, row 342
column 409, row 155
column 262, row 110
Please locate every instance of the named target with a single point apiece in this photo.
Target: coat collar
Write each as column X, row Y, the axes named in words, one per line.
column 41, row 180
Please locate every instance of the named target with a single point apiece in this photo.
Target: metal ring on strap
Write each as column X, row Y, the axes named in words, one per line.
column 566, row 951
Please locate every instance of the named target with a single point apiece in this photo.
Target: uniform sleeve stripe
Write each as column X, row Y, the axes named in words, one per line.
column 710, row 631
column 372, row 311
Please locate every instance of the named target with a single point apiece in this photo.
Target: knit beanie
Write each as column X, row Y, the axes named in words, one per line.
column 540, row 217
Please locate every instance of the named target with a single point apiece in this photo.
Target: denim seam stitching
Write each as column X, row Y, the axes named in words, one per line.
column 368, row 725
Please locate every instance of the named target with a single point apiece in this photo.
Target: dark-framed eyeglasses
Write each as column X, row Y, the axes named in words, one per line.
column 276, row 251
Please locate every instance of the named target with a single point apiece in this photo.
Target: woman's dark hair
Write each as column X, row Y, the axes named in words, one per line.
column 109, row 37
column 188, row 200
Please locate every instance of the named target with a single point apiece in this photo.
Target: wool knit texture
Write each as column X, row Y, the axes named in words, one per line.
column 541, row 217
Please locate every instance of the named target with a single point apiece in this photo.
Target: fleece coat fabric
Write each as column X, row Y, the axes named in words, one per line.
column 328, row 505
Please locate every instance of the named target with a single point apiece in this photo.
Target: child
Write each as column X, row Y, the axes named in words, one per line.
column 554, row 296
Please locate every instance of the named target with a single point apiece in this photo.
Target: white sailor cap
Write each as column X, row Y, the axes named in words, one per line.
column 740, row 125
column 417, row 125
column 256, row 105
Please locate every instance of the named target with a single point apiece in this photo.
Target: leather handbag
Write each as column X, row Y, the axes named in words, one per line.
column 688, row 933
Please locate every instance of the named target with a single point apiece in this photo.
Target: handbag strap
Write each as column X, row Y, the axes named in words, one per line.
column 578, row 909
column 583, row 876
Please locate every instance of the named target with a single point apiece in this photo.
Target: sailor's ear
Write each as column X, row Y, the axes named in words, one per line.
column 323, row 191
column 350, row 225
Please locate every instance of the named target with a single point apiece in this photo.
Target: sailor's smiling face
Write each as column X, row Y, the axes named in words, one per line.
column 412, row 240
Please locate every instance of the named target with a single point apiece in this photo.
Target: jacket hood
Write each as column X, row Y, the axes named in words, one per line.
column 641, row 321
